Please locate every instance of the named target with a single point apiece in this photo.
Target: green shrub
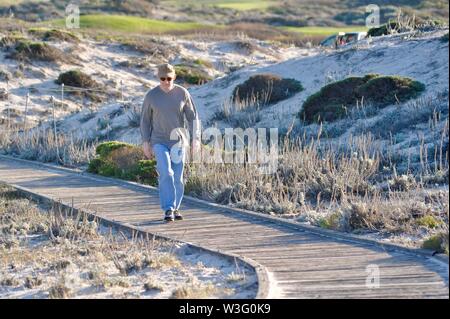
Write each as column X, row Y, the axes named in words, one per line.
column 383, row 29
column 267, row 88
column 331, row 101
column 191, row 75
column 334, row 100
column 78, row 79
column 94, row 165
column 330, row 222
column 125, row 161
column 147, row 170
column 437, row 242
column 104, row 149
column 385, row 90
column 444, row 38
column 428, row 221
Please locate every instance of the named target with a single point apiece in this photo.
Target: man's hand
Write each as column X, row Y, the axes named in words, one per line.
column 148, row 152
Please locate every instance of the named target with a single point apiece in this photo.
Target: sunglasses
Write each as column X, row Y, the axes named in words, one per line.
column 164, row 79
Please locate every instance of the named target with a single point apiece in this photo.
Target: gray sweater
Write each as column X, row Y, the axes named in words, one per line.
column 163, row 112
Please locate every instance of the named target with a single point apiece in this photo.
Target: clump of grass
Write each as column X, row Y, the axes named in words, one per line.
column 332, row 221
column 32, row 282
column 61, row 264
column 54, row 35
column 77, row 227
column 234, row 277
column 191, row 74
column 194, row 290
column 428, row 221
column 334, row 100
column 59, row 291
column 25, row 50
column 12, row 112
column 79, row 79
column 5, row 75
column 268, row 87
column 103, row 123
column 245, row 45
column 134, row 116
column 153, row 286
column 123, row 160
column 9, row 281
column 165, row 261
column 10, row 41
column 402, row 182
column 20, row 218
column 4, row 96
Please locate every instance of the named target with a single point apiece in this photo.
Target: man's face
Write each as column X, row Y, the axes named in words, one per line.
column 167, row 81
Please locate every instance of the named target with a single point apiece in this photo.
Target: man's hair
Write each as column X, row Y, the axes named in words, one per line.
column 165, row 69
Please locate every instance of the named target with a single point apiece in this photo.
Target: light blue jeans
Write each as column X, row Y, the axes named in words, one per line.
column 170, row 166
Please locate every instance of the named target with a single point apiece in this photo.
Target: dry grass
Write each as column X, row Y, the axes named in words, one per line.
column 304, row 171
column 41, row 145
column 57, row 254
column 195, row 290
column 351, row 185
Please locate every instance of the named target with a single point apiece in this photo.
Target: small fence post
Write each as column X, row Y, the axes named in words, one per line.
column 9, row 105
column 62, row 96
column 54, row 127
column 121, row 90
column 26, row 111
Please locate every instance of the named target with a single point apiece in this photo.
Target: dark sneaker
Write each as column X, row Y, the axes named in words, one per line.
column 178, row 215
column 168, row 216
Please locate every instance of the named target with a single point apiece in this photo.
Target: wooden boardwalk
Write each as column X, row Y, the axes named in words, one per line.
column 302, row 264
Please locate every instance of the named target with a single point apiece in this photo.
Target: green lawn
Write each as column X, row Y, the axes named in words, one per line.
column 7, row 3
column 130, row 24
column 230, row 4
column 323, row 31
column 246, row 5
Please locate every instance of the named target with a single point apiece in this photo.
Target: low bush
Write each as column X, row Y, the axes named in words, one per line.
column 125, row 161
column 25, row 50
column 266, row 88
column 54, row 35
column 79, row 79
column 191, row 74
column 333, row 101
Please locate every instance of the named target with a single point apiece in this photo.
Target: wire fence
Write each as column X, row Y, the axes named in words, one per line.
column 61, row 92
column 53, row 92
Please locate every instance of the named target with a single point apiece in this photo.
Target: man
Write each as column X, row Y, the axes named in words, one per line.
column 163, row 135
